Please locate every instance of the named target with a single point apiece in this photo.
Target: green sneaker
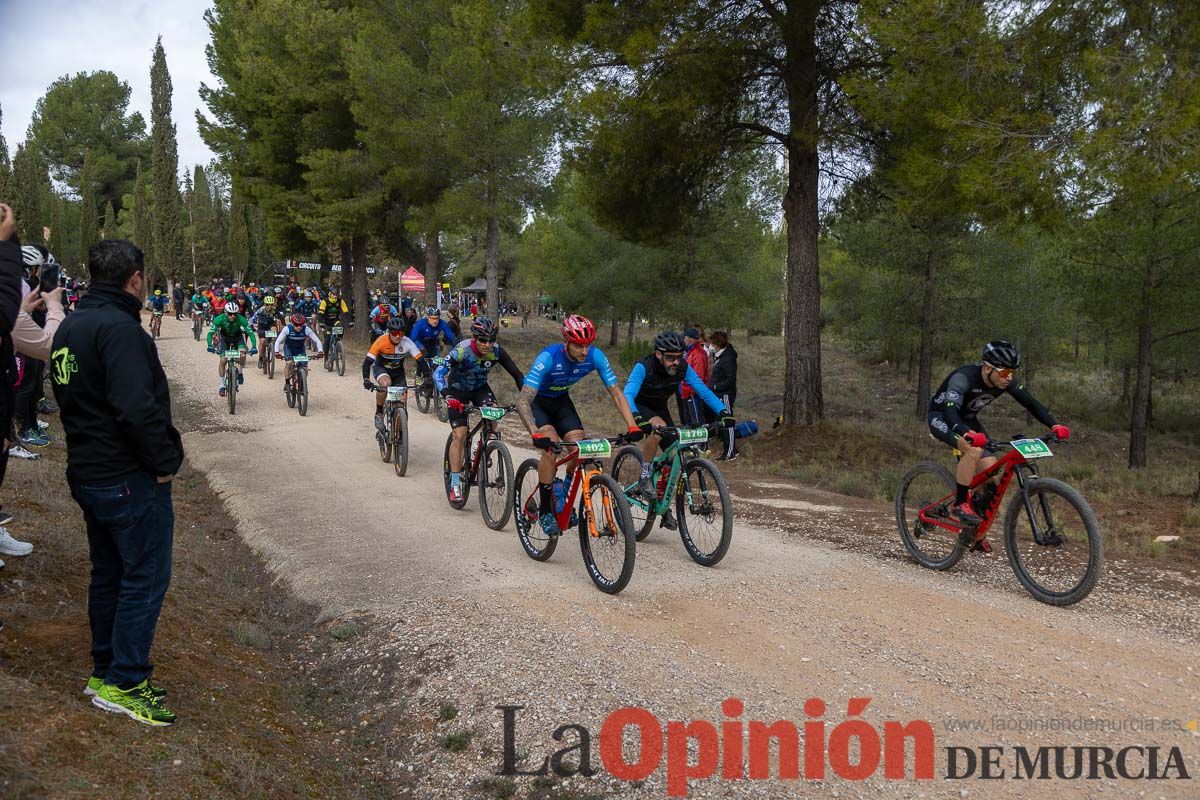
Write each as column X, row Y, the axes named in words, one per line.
column 140, row 703
column 94, row 684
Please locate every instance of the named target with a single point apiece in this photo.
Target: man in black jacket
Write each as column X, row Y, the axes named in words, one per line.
column 724, row 385
column 122, row 452
column 11, row 269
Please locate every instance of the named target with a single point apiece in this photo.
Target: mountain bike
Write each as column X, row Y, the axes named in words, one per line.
column 606, row 533
column 703, row 510
column 296, row 387
column 156, row 323
column 1053, row 540
column 196, row 326
column 232, row 371
column 428, row 395
column 487, row 464
column 266, row 359
column 393, row 439
column 337, row 354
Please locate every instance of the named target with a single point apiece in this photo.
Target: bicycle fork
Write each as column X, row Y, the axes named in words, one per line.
column 1048, row 537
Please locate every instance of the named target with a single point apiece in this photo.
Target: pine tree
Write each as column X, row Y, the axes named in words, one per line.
column 239, row 237
column 88, row 220
column 167, row 209
column 5, row 165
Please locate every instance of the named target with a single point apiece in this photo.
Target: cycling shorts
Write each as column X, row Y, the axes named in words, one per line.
column 557, row 411
column 396, row 375
column 234, row 342
column 646, row 411
column 480, row 397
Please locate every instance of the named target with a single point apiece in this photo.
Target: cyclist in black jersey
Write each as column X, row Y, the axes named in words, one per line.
column 954, row 410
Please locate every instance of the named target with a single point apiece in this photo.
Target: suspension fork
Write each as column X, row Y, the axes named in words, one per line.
column 1039, row 536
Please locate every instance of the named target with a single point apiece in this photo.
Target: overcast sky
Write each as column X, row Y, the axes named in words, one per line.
column 42, row 40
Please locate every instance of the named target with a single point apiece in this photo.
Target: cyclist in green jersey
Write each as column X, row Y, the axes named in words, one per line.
column 233, row 330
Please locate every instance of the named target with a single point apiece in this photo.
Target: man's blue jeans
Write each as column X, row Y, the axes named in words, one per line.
column 130, row 529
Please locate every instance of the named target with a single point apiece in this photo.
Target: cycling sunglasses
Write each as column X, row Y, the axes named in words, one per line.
column 1005, row 372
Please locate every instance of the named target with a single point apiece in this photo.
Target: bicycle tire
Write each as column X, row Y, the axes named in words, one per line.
column 712, row 558
column 231, row 386
column 620, row 506
column 341, row 358
column 1095, row 540
column 289, row 391
column 496, row 510
column 385, row 446
column 525, row 513
column 466, row 479
column 196, row 329
column 422, row 397
column 400, row 440
column 302, row 392
column 439, row 407
column 911, row 541
column 643, row 518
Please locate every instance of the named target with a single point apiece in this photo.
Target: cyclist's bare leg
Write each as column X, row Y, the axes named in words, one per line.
column 569, row 469
column 384, row 380
column 457, row 445
column 546, row 465
column 650, row 443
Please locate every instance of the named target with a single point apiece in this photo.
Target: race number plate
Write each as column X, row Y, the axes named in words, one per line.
column 269, row 334
column 693, row 435
column 300, row 359
column 1032, row 448
column 595, row 448
column 232, row 354
column 396, row 392
column 492, row 412
column 337, row 330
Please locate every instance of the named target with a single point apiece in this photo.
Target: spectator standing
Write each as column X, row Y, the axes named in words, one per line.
column 724, row 386
column 11, row 268
column 453, row 321
column 177, row 300
column 122, row 452
column 697, row 359
column 31, row 371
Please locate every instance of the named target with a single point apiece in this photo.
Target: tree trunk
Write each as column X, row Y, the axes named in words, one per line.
column 616, row 326
column 326, row 276
column 1140, row 419
column 358, row 247
column 629, row 330
column 928, row 315
column 1125, row 373
column 491, row 260
column 432, row 250
column 1076, row 336
column 802, row 397
column 347, row 276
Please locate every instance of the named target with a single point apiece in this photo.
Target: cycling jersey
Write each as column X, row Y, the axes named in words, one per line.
column 426, row 335
column 388, row 357
column 331, row 313
column 158, row 304
column 230, row 329
column 306, row 307
column 466, row 369
column 553, row 373
column 380, row 314
column 197, row 301
column 265, row 318
column 963, row 394
column 293, row 342
column 649, row 386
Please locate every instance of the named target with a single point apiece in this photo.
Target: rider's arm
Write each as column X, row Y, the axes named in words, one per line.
column 444, row 327
column 212, row 331
column 279, row 342
column 1032, row 405
column 706, row 394
column 244, row 324
column 311, row 334
column 444, row 374
column 510, row 367
column 605, row 370
column 533, row 382
column 956, row 390
column 634, row 385
column 366, row 367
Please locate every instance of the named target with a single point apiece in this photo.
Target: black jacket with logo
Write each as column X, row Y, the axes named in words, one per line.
column 112, row 391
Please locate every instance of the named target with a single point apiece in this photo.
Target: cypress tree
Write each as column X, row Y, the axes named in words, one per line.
column 5, row 165
column 28, row 192
column 108, row 228
column 88, row 220
column 167, row 210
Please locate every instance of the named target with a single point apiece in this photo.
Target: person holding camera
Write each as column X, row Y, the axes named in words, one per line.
column 11, row 269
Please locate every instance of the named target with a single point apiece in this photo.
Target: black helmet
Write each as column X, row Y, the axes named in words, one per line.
column 395, row 324
column 1001, row 355
column 484, row 329
column 669, row 342
column 433, row 311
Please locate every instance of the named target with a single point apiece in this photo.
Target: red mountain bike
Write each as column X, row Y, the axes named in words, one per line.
column 1051, row 535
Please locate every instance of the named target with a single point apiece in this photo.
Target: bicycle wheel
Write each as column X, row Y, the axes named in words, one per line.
column 400, row 440
column 495, row 484
column 466, row 481
column 439, row 407
column 627, row 472
column 610, row 554
column 231, row 385
column 196, row 329
column 289, row 390
column 302, row 391
column 537, row 544
column 270, row 365
column 341, row 358
column 422, row 396
column 385, row 445
column 1054, row 542
column 931, row 546
column 704, row 511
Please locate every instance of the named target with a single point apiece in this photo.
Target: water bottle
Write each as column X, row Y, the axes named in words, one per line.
column 560, row 495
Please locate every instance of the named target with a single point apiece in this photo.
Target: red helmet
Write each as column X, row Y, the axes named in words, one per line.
column 298, row 321
column 577, row 329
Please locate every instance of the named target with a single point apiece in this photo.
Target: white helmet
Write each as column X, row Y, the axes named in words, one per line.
column 232, row 308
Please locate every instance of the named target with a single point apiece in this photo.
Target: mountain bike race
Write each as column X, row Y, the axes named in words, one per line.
column 578, row 399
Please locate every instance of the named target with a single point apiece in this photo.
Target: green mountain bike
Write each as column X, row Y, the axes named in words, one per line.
column 692, row 484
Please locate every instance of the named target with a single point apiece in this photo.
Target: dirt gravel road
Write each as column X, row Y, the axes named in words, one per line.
column 784, row 618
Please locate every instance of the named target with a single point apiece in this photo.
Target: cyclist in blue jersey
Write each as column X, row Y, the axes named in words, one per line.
column 426, row 332
column 652, row 382
column 464, row 379
column 546, row 408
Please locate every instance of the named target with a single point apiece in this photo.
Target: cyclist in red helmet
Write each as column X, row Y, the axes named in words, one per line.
column 546, row 408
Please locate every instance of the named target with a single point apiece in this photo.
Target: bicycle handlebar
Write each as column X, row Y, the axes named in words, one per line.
column 558, row 447
column 996, row 445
